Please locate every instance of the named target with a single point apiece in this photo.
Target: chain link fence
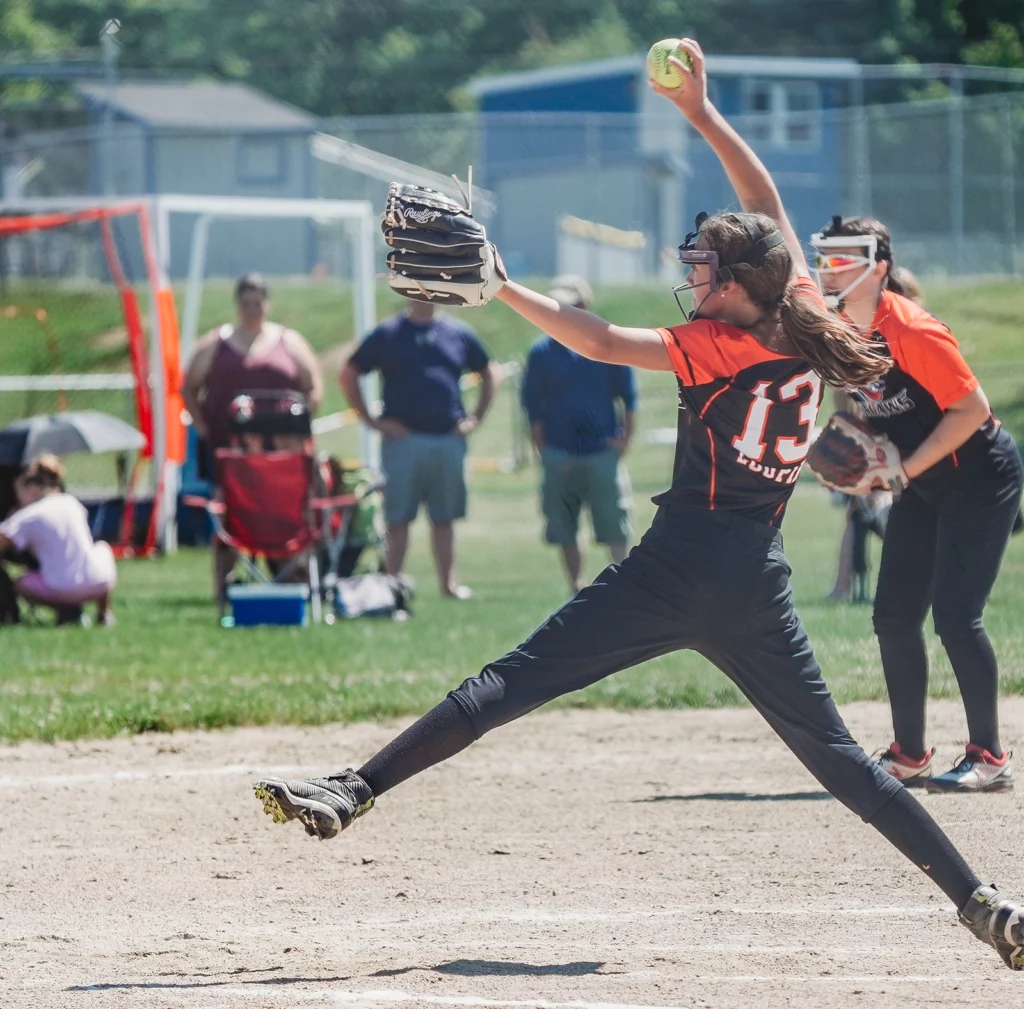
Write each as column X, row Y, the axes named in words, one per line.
column 946, row 175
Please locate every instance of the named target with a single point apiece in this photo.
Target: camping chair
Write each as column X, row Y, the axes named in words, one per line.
column 268, row 508
column 365, row 523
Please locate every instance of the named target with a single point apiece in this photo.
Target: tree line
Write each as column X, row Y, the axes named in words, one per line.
column 365, row 57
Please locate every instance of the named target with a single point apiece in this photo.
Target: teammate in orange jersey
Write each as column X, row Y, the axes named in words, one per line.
column 946, row 535
column 710, row 573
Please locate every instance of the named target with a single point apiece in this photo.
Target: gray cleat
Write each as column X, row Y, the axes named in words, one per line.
column 997, row 921
column 324, row 806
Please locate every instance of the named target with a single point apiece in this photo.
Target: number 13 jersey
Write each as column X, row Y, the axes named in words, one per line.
column 746, row 416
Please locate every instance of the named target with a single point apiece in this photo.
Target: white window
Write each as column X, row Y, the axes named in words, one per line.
column 783, row 113
column 260, row 160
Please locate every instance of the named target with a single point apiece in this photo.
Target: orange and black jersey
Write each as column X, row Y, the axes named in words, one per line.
column 928, row 375
column 746, row 415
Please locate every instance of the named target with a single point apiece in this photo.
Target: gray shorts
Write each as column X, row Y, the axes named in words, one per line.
column 424, row 467
column 599, row 481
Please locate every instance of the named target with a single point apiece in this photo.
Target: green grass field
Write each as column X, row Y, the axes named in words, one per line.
column 169, row 665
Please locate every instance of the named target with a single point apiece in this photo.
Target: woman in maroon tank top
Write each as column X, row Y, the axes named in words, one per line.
column 251, row 354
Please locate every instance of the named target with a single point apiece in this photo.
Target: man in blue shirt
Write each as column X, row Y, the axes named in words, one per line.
column 421, row 355
column 582, row 416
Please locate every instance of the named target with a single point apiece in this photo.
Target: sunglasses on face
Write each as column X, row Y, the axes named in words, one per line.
column 835, row 263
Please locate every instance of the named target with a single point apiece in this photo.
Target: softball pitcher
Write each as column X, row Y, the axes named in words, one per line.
column 710, row 573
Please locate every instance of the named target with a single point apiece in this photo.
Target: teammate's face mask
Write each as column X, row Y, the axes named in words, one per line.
column 719, row 273
column 833, row 259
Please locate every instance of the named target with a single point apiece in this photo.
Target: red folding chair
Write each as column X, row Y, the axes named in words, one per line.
column 267, row 508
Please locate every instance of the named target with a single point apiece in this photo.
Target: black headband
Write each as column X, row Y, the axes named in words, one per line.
column 753, row 255
column 691, row 237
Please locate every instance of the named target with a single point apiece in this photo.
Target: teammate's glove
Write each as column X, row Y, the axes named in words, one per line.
column 440, row 253
column 851, row 457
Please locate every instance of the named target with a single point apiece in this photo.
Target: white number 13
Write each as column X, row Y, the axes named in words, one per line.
column 788, row 450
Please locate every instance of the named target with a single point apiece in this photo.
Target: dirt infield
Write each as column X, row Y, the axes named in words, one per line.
column 583, row 857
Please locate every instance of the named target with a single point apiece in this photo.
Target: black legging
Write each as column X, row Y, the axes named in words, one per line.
column 945, row 556
column 718, row 584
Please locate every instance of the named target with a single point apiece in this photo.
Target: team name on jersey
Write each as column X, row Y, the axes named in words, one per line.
column 778, row 474
column 873, row 401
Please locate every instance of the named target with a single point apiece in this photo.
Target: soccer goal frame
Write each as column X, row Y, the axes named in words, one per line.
column 170, row 344
column 208, row 210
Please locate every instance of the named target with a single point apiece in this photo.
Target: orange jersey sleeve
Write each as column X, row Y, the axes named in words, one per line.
column 925, row 349
column 704, row 350
column 807, row 285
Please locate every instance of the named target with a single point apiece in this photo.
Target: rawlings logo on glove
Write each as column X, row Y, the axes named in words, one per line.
column 441, row 254
column 422, row 216
column 849, row 456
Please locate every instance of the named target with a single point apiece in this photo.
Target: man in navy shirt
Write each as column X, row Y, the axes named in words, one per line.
column 421, row 355
column 581, row 435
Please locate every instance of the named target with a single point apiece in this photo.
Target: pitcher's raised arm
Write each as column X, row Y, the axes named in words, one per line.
column 752, row 182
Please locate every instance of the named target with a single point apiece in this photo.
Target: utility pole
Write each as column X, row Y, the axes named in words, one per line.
column 109, row 49
column 956, row 169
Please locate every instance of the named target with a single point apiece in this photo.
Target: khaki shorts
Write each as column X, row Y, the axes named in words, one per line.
column 428, row 468
column 599, row 481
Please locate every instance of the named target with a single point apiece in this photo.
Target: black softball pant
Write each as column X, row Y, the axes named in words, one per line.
column 712, row 582
column 946, row 556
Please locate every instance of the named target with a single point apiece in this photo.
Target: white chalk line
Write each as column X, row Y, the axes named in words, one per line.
column 377, row 996
column 832, row 978
column 119, row 777
column 680, row 950
column 224, row 770
column 538, row 916
column 392, row 996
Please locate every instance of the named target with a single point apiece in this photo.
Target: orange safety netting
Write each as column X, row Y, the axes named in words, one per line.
column 167, row 323
column 35, row 222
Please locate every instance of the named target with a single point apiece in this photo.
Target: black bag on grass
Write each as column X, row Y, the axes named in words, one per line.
column 9, row 612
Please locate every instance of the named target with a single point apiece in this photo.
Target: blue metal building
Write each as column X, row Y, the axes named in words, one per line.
column 593, row 141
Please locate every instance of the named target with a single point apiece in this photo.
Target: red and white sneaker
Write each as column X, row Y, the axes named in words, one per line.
column 976, row 771
column 913, row 773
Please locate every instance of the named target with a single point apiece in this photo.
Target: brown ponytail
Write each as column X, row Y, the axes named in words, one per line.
column 894, row 281
column 901, row 281
column 836, row 349
column 793, row 318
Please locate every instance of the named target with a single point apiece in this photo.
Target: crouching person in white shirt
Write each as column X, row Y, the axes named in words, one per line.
column 53, row 526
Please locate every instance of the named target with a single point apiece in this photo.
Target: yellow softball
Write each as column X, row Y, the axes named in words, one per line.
column 658, row 67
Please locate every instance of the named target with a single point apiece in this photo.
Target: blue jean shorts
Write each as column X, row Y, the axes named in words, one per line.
column 424, row 468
